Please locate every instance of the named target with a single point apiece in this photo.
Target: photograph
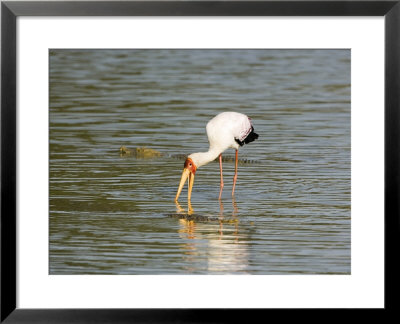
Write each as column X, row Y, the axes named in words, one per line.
column 153, row 152
column 199, row 161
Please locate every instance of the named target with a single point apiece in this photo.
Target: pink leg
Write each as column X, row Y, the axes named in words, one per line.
column 235, row 176
column 222, row 180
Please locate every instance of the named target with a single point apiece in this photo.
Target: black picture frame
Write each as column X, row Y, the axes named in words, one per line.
column 11, row 10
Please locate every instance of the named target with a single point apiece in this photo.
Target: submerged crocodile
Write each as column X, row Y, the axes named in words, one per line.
column 139, row 152
column 148, row 153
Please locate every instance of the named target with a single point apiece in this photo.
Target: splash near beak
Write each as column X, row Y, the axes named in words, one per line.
column 188, row 172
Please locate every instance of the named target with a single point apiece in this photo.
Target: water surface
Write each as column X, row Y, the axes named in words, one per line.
column 112, row 214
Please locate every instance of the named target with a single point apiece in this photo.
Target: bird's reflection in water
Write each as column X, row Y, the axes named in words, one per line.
column 215, row 245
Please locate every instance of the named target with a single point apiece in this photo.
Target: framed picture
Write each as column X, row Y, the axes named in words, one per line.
column 102, row 110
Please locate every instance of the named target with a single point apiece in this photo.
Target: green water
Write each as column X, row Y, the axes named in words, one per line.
column 116, row 215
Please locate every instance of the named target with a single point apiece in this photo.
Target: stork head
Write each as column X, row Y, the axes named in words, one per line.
column 189, row 169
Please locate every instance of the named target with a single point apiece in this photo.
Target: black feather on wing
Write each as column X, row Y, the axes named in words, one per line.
column 249, row 138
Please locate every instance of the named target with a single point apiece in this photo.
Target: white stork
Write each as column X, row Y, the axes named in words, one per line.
column 226, row 130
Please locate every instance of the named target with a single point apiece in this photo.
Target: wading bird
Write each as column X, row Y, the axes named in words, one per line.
column 226, row 130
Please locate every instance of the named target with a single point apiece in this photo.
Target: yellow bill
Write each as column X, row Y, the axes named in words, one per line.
column 188, row 173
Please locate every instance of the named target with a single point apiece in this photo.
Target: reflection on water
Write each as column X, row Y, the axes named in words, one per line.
column 223, row 250
column 112, row 212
